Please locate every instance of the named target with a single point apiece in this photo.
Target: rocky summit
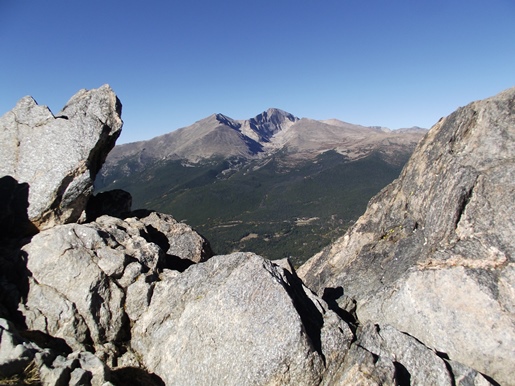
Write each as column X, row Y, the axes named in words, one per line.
column 418, row 292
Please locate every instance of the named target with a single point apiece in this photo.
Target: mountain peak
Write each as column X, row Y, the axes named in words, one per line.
column 274, row 115
column 225, row 120
column 269, row 122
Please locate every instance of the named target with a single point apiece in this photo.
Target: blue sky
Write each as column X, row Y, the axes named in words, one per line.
column 394, row 63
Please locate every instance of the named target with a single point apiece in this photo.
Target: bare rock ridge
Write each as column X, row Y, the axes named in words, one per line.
column 60, row 180
column 269, row 132
column 136, row 298
column 434, row 254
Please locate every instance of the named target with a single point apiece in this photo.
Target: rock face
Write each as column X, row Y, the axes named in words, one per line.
column 434, row 253
column 59, row 156
column 237, row 319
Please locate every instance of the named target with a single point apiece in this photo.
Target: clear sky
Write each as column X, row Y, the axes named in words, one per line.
column 393, row 63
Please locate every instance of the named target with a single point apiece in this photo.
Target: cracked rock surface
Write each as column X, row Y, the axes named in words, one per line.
column 59, row 156
column 434, row 254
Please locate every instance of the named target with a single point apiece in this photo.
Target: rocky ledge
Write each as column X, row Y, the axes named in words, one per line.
column 93, row 293
column 434, row 254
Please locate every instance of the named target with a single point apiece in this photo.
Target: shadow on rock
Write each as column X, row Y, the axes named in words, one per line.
column 343, row 306
column 132, row 376
column 16, row 230
column 115, row 203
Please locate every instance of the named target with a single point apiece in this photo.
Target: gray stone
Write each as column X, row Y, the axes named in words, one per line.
column 138, row 297
column 414, row 362
column 465, row 376
column 363, row 368
column 88, row 281
column 15, row 353
column 442, row 312
column 80, row 377
column 57, row 376
column 64, row 259
column 94, row 366
column 434, row 253
column 78, row 368
column 179, row 237
column 59, row 156
column 128, row 235
column 48, row 310
column 112, row 261
column 236, row 319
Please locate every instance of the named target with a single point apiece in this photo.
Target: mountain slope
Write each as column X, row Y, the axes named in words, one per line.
column 270, row 184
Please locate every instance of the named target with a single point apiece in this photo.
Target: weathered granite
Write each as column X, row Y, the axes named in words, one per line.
column 136, row 299
column 434, row 254
column 86, row 271
column 237, row 319
column 59, row 156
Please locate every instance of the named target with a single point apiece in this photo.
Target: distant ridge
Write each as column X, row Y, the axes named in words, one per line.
column 271, row 131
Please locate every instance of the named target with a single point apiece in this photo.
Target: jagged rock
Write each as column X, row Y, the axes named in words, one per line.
column 91, row 364
column 19, row 355
column 64, row 259
column 82, row 277
column 363, row 368
column 415, row 364
column 110, row 299
column 465, row 376
column 181, row 241
column 59, row 156
column 434, row 253
column 79, row 377
column 62, row 319
column 237, row 319
column 386, row 356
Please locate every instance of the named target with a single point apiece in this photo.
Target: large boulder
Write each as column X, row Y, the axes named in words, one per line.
column 180, row 240
column 59, row 156
column 434, row 254
column 241, row 320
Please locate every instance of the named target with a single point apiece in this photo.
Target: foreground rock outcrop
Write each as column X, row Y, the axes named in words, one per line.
column 87, row 272
column 59, row 156
column 434, row 254
column 236, row 319
column 136, row 298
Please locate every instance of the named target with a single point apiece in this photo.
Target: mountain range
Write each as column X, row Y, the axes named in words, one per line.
column 276, row 184
column 269, row 132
